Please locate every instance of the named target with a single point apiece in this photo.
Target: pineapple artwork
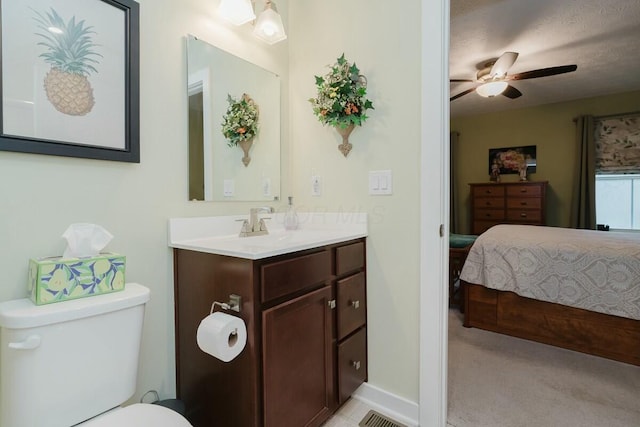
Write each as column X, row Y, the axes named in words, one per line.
column 70, row 51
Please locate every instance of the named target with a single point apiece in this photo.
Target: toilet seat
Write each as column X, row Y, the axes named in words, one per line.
column 139, row 415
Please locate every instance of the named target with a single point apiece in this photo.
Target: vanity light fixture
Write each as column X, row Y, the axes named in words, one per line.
column 491, row 89
column 238, row 12
column 268, row 27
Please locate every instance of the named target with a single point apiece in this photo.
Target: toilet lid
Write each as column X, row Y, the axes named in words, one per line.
column 139, row 415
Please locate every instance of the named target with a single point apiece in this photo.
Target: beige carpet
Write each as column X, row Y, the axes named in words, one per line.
column 501, row 381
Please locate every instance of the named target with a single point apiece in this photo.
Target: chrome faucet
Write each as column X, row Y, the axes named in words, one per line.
column 255, row 226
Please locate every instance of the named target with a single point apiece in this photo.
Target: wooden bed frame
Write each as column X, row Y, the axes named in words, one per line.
column 612, row 337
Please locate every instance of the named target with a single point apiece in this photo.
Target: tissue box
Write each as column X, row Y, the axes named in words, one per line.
column 57, row 279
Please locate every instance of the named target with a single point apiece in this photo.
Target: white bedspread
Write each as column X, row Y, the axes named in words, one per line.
column 594, row 270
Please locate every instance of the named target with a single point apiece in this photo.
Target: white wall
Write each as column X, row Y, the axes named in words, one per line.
column 384, row 41
column 41, row 195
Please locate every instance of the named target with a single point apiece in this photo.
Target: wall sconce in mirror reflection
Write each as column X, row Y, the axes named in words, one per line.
column 268, row 27
column 232, row 103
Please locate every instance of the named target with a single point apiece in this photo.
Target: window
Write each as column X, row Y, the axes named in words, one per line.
column 618, row 201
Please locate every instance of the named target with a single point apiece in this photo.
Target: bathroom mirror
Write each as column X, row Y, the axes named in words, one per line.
column 216, row 170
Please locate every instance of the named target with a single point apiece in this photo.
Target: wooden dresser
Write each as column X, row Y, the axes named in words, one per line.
column 507, row 203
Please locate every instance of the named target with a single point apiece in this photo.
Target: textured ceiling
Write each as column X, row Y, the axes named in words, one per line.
column 602, row 37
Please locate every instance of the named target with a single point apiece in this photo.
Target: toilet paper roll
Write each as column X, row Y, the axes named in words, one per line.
column 221, row 335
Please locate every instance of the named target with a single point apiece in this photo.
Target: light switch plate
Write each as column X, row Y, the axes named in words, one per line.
column 380, row 182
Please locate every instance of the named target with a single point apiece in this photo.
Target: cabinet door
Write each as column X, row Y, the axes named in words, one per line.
column 298, row 361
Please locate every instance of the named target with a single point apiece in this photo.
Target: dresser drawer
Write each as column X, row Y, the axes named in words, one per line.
column 349, row 258
column 524, row 190
column 524, row 203
column 524, row 215
column 488, row 191
column 351, row 304
column 479, row 227
column 489, row 202
column 291, row 275
column 489, row 214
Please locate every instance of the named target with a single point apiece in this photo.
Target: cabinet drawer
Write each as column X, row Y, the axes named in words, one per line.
column 524, row 190
column 352, row 364
column 489, row 202
column 524, row 215
column 489, row 214
column 351, row 304
column 488, row 191
column 291, row 275
column 524, row 203
column 349, row 258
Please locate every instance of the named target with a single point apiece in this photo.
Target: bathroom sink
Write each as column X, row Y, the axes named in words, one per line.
column 219, row 235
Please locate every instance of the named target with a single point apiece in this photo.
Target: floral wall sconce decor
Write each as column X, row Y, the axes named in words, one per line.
column 240, row 124
column 341, row 100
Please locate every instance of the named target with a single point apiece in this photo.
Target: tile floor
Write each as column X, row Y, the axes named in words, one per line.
column 349, row 415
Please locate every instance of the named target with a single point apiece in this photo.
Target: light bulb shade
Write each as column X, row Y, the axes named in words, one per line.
column 269, row 25
column 237, row 12
column 491, row 89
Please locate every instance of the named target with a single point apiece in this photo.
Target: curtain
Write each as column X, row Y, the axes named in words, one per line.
column 583, row 203
column 453, row 183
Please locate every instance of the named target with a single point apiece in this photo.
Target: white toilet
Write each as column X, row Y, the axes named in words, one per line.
column 75, row 362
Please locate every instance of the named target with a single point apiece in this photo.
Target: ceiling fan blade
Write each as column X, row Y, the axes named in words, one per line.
column 543, row 72
column 502, row 64
column 462, row 94
column 460, row 80
column 511, row 92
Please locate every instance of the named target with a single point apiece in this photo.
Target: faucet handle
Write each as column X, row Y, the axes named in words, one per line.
column 244, row 231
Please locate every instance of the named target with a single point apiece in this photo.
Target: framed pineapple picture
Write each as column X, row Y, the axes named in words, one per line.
column 70, row 78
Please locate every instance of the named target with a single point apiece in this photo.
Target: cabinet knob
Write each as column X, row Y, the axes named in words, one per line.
column 356, row 364
column 331, row 303
column 355, row 304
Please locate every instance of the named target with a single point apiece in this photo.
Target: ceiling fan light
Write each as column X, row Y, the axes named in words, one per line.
column 491, row 89
column 238, row 12
column 269, row 25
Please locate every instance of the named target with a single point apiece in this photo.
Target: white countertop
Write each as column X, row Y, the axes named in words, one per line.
column 219, row 234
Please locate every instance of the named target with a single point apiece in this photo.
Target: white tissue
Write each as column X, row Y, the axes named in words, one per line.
column 221, row 335
column 85, row 240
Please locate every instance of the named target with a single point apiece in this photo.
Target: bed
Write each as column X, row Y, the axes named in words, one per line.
column 576, row 289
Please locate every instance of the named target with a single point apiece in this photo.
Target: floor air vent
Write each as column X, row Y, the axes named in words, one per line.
column 374, row 419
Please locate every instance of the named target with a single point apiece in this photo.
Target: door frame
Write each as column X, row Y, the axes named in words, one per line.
column 434, row 206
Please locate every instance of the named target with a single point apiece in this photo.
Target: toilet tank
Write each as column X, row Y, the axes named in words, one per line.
column 63, row 363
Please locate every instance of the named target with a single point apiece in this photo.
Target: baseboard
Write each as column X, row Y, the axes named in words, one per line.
column 396, row 407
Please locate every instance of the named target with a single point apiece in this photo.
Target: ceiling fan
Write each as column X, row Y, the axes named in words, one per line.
column 493, row 77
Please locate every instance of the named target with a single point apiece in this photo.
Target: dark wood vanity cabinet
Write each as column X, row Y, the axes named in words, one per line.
column 306, row 348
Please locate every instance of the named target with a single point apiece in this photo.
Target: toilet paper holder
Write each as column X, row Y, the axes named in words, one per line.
column 233, row 304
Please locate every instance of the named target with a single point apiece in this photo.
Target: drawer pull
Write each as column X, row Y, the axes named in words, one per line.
column 523, row 190
column 355, row 304
column 523, row 215
column 523, row 203
column 488, row 215
column 356, row 365
column 488, row 204
column 487, row 191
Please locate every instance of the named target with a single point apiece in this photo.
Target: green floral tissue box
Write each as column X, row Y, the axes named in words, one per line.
column 57, row 279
